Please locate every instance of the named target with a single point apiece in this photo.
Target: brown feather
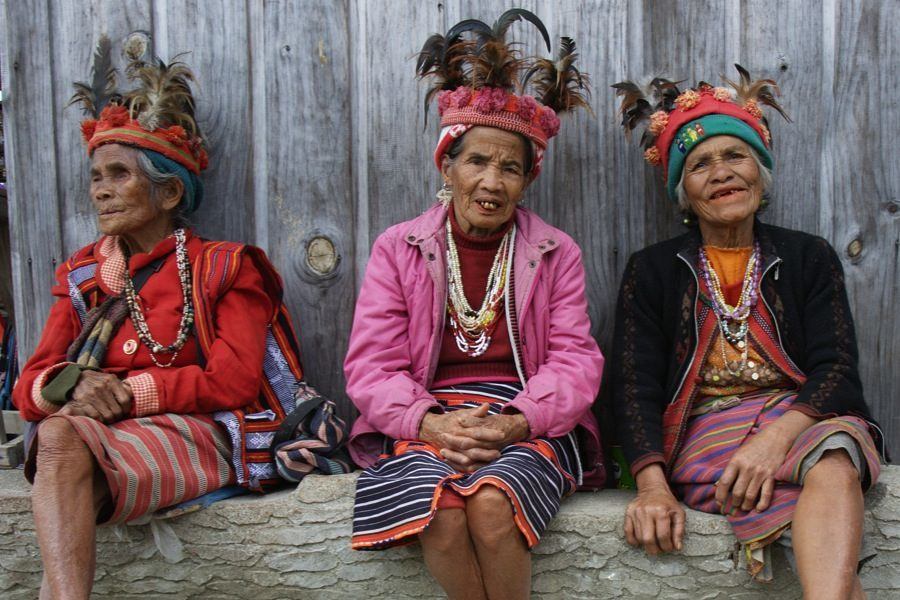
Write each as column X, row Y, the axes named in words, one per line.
column 495, row 64
column 559, row 84
column 163, row 96
column 762, row 91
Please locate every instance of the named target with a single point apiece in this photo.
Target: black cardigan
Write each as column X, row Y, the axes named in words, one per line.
column 655, row 339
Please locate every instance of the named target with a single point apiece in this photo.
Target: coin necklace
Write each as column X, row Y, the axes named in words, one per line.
column 473, row 329
column 187, row 311
column 734, row 320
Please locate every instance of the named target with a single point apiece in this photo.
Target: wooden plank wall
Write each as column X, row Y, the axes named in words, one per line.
column 317, row 132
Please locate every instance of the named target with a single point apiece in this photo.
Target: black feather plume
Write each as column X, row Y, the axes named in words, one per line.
column 102, row 88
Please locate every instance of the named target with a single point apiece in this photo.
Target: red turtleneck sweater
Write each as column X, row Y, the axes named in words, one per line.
column 476, row 257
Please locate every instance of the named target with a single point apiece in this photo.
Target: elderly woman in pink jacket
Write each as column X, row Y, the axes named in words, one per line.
column 471, row 360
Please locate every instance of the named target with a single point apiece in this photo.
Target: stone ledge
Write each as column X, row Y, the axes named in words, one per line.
column 294, row 544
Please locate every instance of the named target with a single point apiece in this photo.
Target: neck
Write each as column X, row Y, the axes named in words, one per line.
column 729, row 236
column 147, row 237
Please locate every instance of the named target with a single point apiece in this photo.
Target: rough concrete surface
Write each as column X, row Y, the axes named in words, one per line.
column 295, row 544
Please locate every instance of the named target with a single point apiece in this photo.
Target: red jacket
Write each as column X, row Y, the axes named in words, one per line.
column 230, row 378
column 238, row 317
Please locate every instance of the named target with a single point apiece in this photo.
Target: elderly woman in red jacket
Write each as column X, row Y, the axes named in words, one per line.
column 152, row 355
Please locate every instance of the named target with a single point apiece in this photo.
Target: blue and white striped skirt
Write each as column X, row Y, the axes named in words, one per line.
column 398, row 496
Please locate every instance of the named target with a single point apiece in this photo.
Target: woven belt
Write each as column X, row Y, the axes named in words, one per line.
column 717, row 405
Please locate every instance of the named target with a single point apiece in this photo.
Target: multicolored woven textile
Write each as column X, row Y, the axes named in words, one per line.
column 153, row 462
column 713, row 438
column 397, row 497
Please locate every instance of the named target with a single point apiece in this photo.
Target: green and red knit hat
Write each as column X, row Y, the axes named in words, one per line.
column 682, row 120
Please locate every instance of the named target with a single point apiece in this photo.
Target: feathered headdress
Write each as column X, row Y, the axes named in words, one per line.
column 477, row 82
column 157, row 114
column 679, row 120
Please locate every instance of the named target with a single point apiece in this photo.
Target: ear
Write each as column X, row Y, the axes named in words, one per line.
column 172, row 194
column 446, row 163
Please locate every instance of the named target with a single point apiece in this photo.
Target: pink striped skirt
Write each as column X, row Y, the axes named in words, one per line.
column 153, row 462
column 713, row 438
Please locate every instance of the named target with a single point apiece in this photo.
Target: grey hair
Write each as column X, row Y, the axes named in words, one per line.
column 765, row 177
column 159, row 180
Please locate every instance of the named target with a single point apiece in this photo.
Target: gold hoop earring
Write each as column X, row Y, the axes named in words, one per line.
column 445, row 195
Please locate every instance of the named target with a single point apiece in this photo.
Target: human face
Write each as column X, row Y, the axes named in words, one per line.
column 487, row 178
column 722, row 183
column 121, row 193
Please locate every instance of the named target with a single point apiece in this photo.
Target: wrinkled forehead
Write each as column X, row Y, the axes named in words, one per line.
column 717, row 145
column 490, row 141
column 109, row 153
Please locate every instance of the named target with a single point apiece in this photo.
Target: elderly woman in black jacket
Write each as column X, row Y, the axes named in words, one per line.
column 736, row 386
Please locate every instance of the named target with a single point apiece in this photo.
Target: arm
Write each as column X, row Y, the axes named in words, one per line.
column 564, row 387
column 639, row 367
column 232, row 375
column 378, row 360
column 48, row 359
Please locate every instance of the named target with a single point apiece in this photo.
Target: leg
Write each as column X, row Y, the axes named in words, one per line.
column 501, row 548
column 64, row 501
column 450, row 557
column 827, row 529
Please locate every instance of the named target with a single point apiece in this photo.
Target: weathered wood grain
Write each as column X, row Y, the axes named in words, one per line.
column 217, row 48
column 400, row 172
column 31, row 165
column 864, row 177
column 308, row 154
column 316, row 127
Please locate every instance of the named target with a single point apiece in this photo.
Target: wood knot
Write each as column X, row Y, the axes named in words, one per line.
column 321, row 256
column 854, row 248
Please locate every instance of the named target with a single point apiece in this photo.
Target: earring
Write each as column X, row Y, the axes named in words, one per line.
column 445, row 195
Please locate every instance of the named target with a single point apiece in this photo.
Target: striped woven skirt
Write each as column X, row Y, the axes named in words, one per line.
column 712, row 439
column 152, row 462
column 398, row 496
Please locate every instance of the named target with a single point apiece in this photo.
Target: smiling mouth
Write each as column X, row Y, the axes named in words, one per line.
column 105, row 213
column 726, row 192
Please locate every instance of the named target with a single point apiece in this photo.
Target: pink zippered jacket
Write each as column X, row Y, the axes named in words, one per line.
column 399, row 320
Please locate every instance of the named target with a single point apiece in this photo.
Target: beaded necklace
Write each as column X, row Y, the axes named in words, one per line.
column 187, row 313
column 733, row 320
column 473, row 329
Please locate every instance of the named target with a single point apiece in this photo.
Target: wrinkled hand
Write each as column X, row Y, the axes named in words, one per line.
column 463, row 437
column 100, row 396
column 473, row 444
column 655, row 520
column 749, row 478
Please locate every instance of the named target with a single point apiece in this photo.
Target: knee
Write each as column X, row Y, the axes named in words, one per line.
column 834, row 470
column 61, row 450
column 490, row 516
column 446, row 528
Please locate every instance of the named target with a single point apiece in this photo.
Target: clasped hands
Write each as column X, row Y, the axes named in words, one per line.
column 100, row 396
column 470, row 438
